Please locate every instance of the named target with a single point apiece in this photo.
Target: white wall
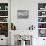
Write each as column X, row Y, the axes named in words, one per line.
column 23, row 24
column 32, row 6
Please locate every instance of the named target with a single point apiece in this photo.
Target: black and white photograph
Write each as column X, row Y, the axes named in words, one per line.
column 22, row 14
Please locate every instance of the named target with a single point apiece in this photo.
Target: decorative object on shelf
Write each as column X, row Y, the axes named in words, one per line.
column 13, row 27
column 40, row 25
column 3, row 19
column 23, row 14
column 42, row 32
column 41, row 6
column 6, row 7
column 31, row 27
column 4, row 29
column 41, row 13
column 41, row 19
column 45, row 7
column 3, row 13
column 3, row 6
column 0, row 7
column 4, row 26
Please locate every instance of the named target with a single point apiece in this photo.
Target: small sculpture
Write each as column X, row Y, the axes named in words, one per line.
column 13, row 27
column 31, row 27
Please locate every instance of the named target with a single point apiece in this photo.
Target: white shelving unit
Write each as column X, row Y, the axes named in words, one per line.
column 42, row 18
column 4, row 21
column 4, row 17
column 3, row 12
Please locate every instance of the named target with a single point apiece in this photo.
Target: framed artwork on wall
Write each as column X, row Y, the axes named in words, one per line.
column 22, row 14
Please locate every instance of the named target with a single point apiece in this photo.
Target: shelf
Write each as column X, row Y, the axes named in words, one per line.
column 4, row 19
column 3, row 16
column 41, row 22
column 42, row 16
column 3, row 10
column 3, row 22
column 41, row 28
column 42, row 19
column 41, row 10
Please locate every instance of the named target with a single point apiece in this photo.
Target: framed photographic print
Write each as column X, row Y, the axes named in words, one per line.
column 22, row 14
